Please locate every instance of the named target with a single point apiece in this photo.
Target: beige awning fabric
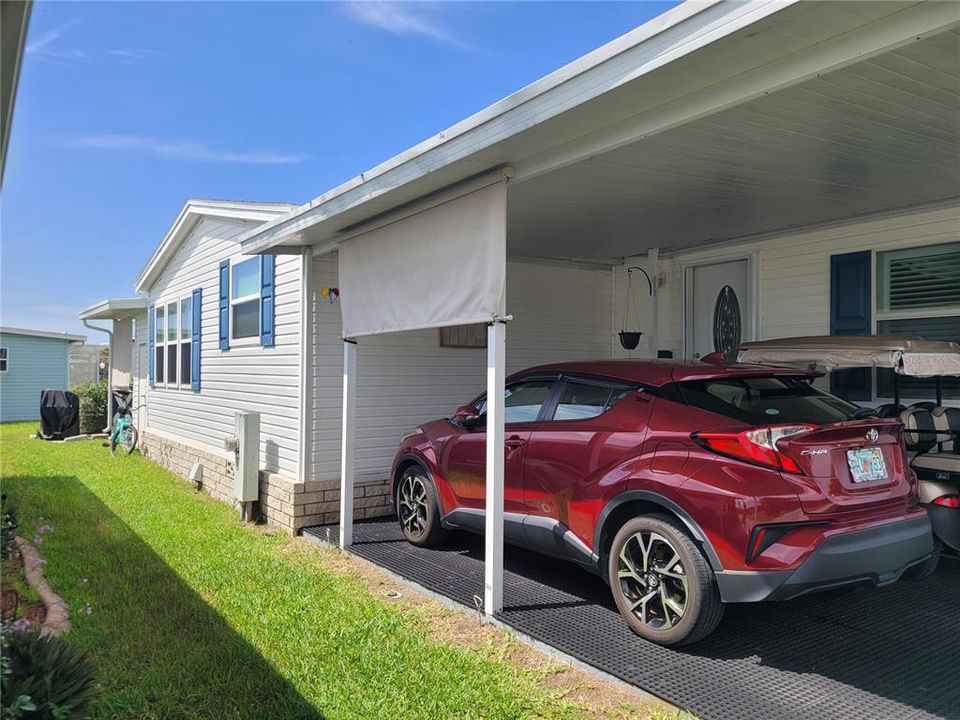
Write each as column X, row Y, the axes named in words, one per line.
column 443, row 265
column 907, row 356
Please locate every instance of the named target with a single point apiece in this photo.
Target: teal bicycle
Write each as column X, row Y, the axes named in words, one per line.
column 123, row 434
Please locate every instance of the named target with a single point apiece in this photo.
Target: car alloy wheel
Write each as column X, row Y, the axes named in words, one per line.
column 418, row 508
column 653, row 580
column 661, row 581
column 412, row 505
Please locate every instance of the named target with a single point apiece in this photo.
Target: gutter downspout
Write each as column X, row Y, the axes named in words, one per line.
column 86, row 324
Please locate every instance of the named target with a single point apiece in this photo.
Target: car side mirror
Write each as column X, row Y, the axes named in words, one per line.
column 468, row 416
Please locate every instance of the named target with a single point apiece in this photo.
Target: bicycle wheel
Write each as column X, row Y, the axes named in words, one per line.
column 126, row 440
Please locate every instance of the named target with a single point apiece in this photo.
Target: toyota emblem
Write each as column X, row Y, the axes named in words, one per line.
column 872, row 435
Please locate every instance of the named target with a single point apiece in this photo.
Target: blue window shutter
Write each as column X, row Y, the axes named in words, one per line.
column 151, row 339
column 851, row 293
column 225, row 305
column 268, row 264
column 195, row 340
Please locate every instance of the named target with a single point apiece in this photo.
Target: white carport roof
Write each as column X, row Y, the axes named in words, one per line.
column 113, row 308
column 716, row 120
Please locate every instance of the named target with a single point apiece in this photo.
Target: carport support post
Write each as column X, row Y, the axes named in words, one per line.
column 346, row 447
column 493, row 536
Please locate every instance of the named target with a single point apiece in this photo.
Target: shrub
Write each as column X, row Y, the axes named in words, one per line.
column 93, row 405
column 44, row 677
column 8, row 526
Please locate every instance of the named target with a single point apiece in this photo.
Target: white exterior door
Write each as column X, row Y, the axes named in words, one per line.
column 719, row 307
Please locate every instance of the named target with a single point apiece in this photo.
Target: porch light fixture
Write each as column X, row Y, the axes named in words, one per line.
column 629, row 339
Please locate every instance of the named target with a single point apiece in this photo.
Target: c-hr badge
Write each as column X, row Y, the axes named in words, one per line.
column 872, row 435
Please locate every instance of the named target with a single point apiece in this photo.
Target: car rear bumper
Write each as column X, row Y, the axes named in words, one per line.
column 876, row 555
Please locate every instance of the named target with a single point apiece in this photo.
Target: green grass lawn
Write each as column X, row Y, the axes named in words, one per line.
column 191, row 614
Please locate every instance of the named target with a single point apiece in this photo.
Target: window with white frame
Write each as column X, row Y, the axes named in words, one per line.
column 245, row 299
column 186, row 340
column 173, row 342
column 918, row 294
column 159, row 341
column 4, row 359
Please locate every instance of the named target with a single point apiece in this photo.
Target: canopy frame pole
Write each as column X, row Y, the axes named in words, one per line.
column 493, row 517
column 348, row 431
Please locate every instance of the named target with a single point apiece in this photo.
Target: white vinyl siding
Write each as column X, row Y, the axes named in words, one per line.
column 792, row 272
column 560, row 311
column 245, row 377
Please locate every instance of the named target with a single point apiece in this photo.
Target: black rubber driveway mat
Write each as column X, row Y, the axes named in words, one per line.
column 870, row 653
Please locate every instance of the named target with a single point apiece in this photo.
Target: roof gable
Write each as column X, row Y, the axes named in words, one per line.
column 193, row 211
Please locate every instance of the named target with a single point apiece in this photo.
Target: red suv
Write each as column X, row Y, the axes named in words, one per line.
column 684, row 485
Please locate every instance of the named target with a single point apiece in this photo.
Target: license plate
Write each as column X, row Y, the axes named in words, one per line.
column 866, row 465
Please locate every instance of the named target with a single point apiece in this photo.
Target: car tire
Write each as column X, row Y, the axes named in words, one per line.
column 662, row 583
column 925, row 569
column 418, row 509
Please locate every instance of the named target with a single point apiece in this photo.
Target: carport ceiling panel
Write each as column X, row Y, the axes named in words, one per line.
column 881, row 134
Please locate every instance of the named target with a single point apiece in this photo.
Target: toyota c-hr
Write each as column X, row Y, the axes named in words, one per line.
column 684, row 485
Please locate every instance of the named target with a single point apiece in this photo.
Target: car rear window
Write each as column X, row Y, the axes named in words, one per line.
column 766, row 400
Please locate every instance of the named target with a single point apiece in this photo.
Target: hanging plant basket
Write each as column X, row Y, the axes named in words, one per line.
column 630, row 340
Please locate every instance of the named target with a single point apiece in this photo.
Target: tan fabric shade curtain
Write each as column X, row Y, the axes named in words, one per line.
column 440, row 266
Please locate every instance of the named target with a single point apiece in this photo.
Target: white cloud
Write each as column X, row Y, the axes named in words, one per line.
column 133, row 54
column 46, row 46
column 183, row 150
column 400, row 19
column 42, row 46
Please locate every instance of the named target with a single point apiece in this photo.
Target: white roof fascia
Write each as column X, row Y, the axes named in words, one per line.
column 703, row 23
column 43, row 334
column 192, row 211
column 112, row 308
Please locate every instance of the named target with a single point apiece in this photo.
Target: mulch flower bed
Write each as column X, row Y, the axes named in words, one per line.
column 18, row 602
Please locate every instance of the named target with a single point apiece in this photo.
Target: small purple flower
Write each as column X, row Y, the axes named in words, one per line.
column 37, row 539
column 21, row 625
column 44, row 529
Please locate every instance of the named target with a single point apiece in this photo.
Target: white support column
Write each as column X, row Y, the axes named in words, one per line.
column 493, row 537
column 653, row 267
column 347, row 441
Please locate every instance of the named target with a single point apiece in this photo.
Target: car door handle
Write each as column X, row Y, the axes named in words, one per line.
column 514, row 442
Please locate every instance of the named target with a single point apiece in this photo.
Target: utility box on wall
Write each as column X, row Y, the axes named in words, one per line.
column 247, row 476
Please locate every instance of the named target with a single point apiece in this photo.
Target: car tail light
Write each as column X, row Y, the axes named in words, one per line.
column 757, row 445
column 949, row 501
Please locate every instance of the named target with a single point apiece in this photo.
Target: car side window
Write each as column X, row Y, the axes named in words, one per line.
column 582, row 400
column 522, row 401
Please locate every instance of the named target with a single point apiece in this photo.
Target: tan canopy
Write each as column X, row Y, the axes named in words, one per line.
column 907, row 356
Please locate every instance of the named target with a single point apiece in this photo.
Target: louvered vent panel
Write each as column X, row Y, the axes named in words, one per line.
column 925, row 280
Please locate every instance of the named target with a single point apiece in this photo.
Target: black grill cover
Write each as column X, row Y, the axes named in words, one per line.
column 59, row 414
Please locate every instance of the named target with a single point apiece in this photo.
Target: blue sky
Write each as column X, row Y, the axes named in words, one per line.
column 125, row 110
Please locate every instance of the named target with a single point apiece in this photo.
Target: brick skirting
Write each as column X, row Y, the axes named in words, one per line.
column 284, row 502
